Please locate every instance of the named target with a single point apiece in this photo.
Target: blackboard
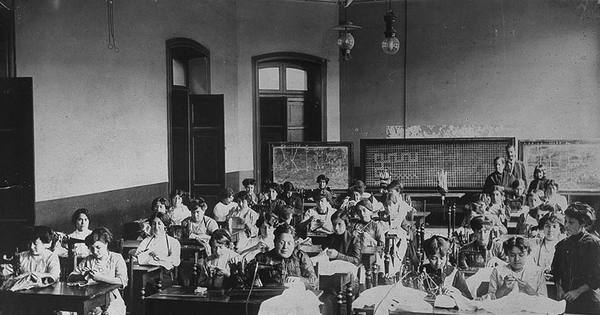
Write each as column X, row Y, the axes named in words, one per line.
column 301, row 163
column 573, row 164
column 416, row 162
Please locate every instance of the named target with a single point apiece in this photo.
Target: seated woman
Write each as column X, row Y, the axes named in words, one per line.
column 498, row 208
column 39, row 262
column 224, row 207
column 539, row 179
column 576, row 267
column 104, row 266
column 81, row 220
column 520, row 274
column 531, row 213
column 353, row 197
column 553, row 198
column 178, row 210
column 242, row 219
column 484, row 250
column 440, row 270
column 249, row 184
column 553, row 226
column 367, row 231
column 199, row 226
column 291, row 198
column 261, row 243
column 284, row 263
column 160, row 204
column 272, row 203
column 159, row 249
column 341, row 245
column 322, row 185
column 319, row 217
column 217, row 267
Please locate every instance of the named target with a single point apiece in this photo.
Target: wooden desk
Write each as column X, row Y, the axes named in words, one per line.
column 341, row 284
column 58, row 297
column 177, row 300
column 139, row 279
column 368, row 259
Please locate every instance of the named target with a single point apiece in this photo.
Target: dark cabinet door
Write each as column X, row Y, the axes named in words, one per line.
column 207, row 146
column 16, row 161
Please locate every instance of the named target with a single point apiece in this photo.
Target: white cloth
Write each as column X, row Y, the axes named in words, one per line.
column 166, row 248
column 293, row 301
column 221, row 211
column 385, row 298
column 178, row 214
column 518, row 302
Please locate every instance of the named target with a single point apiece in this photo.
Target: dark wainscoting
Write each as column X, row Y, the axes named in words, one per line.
column 110, row 208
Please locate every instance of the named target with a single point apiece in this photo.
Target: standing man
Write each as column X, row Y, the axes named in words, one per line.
column 513, row 166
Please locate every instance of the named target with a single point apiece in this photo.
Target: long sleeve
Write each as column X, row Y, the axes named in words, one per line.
column 120, row 269
column 308, row 271
column 53, row 267
column 592, row 264
column 495, row 282
column 461, row 284
column 175, row 257
column 352, row 255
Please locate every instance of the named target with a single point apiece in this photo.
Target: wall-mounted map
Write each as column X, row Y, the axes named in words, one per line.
column 301, row 163
column 573, row 164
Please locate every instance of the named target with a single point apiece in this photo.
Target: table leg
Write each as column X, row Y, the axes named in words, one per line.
column 340, row 302
column 349, row 298
column 368, row 272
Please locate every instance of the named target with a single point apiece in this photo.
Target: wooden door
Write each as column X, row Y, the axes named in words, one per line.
column 273, row 128
column 16, row 161
column 207, row 146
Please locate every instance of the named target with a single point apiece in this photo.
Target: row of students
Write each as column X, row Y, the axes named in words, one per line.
column 42, row 265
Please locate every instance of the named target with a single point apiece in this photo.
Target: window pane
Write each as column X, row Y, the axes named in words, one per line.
column 178, row 72
column 295, row 79
column 268, row 78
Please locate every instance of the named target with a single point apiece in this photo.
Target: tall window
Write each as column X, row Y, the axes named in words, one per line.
column 289, row 103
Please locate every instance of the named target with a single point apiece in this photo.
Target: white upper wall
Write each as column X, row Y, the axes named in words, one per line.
column 101, row 116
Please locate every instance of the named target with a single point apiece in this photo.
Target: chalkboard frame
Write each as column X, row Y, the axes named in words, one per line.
column 399, row 141
column 530, row 142
column 346, row 144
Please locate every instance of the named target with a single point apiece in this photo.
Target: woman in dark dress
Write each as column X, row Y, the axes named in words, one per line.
column 576, row 263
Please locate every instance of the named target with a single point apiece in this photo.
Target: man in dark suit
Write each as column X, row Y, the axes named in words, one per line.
column 513, row 166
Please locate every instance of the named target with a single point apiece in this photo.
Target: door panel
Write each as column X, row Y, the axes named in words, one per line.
column 16, row 163
column 273, row 128
column 207, row 146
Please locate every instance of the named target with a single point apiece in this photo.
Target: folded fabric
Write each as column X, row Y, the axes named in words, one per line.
column 25, row 282
column 517, row 302
column 395, row 297
column 293, row 301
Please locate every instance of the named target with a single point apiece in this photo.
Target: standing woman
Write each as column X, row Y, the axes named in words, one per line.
column 104, row 266
column 553, row 198
column 576, row 263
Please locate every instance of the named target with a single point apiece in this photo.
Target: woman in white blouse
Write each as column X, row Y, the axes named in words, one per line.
column 159, row 249
column 519, row 275
column 104, row 266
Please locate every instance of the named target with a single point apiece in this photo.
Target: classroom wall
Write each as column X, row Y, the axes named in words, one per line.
column 101, row 115
column 267, row 26
column 528, row 69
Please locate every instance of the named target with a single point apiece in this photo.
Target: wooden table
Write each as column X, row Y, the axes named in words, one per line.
column 140, row 277
column 178, row 300
column 58, row 297
column 341, row 285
